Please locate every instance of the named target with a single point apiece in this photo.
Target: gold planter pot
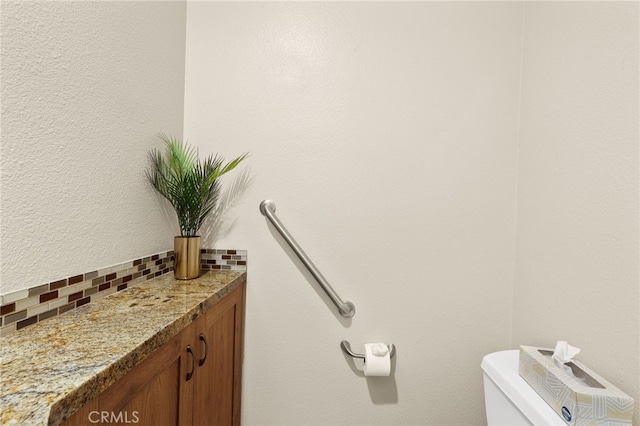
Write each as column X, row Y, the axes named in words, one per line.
column 187, row 257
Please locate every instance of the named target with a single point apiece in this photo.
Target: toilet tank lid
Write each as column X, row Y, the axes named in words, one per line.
column 502, row 368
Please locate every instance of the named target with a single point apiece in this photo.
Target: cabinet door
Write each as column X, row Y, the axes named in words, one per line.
column 218, row 375
column 155, row 392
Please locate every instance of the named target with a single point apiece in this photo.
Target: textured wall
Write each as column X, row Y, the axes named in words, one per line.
column 386, row 134
column 577, row 275
column 85, row 87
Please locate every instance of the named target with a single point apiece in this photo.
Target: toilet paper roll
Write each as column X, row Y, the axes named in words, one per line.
column 377, row 359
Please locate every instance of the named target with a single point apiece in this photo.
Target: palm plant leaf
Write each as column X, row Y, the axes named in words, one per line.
column 190, row 185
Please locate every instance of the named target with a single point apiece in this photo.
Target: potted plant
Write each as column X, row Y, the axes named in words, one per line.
column 192, row 188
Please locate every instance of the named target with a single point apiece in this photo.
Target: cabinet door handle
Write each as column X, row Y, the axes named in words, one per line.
column 206, row 350
column 193, row 363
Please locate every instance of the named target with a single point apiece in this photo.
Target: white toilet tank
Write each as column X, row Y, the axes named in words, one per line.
column 509, row 400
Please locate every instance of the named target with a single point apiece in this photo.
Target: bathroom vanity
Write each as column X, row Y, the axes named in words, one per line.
column 164, row 352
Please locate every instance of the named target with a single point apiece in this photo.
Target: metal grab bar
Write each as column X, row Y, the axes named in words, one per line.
column 268, row 209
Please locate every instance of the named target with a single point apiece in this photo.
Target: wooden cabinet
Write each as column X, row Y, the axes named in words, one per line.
column 218, row 379
column 193, row 379
column 156, row 391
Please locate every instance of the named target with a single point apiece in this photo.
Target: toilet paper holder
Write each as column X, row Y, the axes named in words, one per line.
column 346, row 348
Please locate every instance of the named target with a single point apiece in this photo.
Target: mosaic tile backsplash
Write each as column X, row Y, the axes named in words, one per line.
column 29, row 306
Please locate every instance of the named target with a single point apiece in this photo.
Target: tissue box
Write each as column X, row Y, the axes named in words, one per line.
column 579, row 396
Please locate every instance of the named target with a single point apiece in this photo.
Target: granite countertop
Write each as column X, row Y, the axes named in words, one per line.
column 51, row 369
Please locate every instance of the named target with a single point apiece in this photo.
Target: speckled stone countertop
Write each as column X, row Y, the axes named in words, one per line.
column 51, row 369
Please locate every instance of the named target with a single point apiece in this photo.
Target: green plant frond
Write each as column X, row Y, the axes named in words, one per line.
column 190, row 185
column 232, row 164
column 180, row 157
column 208, row 194
column 159, row 174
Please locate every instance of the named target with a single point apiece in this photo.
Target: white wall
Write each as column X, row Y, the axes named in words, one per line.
column 86, row 86
column 386, row 134
column 577, row 270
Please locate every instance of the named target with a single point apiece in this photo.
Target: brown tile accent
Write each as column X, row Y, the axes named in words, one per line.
column 242, row 262
column 75, row 279
column 38, row 290
column 164, row 263
column 48, row 296
column 83, row 302
column 48, row 314
column 67, row 307
column 15, row 317
column 7, row 309
column 90, row 275
column 226, row 256
column 28, row 321
column 57, row 284
column 75, row 296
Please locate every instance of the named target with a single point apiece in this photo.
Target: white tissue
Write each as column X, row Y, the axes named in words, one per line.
column 377, row 359
column 564, row 354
